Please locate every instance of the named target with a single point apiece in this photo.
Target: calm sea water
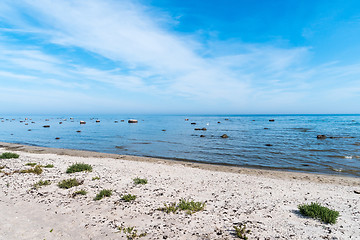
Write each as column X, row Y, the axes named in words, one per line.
column 288, row 143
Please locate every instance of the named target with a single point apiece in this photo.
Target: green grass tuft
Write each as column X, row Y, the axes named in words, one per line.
column 8, row 155
column 103, row 193
column 128, row 198
column 42, row 183
column 131, row 232
column 79, row 167
column 31, row 164
column 36, row 170
column 95, row 178
column 80, row 192
column 73, row 182
column 185, row 205
column 240, row 231
column 315, row 210
column 140, row 181
column 49, row 166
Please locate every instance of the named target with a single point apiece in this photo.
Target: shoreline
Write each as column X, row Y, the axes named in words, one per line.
column 279, row 174
column 265, row 201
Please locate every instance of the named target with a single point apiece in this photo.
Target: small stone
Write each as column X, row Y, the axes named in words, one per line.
column 132, row 121
column 271, row 120
column 321, row 136
column 202, row 135
column 224, row 136
column 46, row 126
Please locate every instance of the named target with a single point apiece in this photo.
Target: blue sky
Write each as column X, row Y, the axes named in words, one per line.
column 179, row 57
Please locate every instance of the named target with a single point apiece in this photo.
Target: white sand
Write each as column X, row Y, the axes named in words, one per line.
column 266, row 201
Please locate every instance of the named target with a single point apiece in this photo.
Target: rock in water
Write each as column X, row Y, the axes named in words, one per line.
column 224, row 136
column 132, row 121
column 321, row 136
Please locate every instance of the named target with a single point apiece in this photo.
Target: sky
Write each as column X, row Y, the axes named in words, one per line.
column 179, row 57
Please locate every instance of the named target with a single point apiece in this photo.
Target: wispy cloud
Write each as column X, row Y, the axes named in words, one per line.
column 146, row 57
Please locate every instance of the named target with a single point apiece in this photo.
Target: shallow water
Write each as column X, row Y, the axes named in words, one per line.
column 292, row 138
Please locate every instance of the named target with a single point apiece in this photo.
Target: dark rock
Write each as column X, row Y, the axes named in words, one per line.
column 132, row 121
column 116, row 121
column 57, row 138
column 271, row 120
column 47, row 120
column 29, row 130
column 97, row 121
column 122, row 121
column 321, row 136
column 202, row 135
column 82, row 122
column 46, row 126
column 219, row 122
column 193, row 123
column 268, row 145
column 266, row 128
column 200, row 129
column 164, row 130
column 60, row 122
column 224, row 136
column 186, row 119
column 357, row 192
column 78, row 131
column 226, row 119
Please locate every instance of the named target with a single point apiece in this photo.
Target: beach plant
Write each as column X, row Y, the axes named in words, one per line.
column 2, row 167
column 79, row 167
column 49, row 166
column 41, row 183
column 128, row 198
column 72, row 182
column 30, row 164
column 131, row 232
column 185, row 205
column 80, row 192
column 8, row 155
column 240, row 231
column 315, row 210
column 140, row 181
column 190, row 206
column 171, row 208
column 103, row 193
column 36, row 170
column 95, row 178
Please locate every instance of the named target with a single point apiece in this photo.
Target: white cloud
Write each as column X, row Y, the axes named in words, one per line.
column 146, row 57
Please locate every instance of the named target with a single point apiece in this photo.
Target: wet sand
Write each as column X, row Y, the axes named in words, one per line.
column 266, row 201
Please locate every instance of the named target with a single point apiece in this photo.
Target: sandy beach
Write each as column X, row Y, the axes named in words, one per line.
column 265, row 201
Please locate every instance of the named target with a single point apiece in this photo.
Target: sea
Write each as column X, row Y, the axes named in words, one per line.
column 280, row 142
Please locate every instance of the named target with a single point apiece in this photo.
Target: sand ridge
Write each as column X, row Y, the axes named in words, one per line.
column 266, row 201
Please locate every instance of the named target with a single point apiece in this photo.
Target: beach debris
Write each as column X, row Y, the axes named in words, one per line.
column 226, row 119
column 29, row 130
column 97, row 121
column 266, row 128
column 46, row 126
column 193, row 123
column 202, row 135
column 268, row 145
column 116, row 121
column 357, row 192
column 271, row 120
column 57, row 138
column 200, row 129
column 132, row 121
column 219, row 122
column 224, row 136
column 78, row 131
column 186, row 119
column 122, row 120
column 82, row 122
column 164, row 130
column 321, row 136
